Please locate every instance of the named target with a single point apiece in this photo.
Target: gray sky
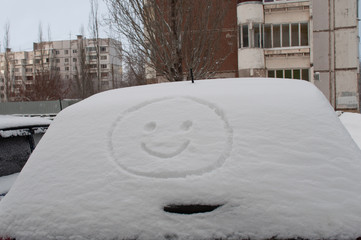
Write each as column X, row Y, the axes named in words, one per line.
column 64, row 17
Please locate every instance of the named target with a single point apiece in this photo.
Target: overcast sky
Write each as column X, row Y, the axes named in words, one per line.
column 64, row 17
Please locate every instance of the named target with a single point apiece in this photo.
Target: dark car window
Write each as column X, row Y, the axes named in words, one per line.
column 14, row 153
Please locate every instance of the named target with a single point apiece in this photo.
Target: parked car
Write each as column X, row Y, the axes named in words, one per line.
column 216, row 159
column 18, row 138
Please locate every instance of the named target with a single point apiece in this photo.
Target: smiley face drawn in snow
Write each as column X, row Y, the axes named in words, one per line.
column 171, row 138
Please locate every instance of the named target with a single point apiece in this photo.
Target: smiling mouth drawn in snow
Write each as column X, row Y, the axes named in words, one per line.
column 171, row 138
column 165, row 155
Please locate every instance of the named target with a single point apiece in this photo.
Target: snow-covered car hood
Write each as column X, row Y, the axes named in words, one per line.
column 269, row 155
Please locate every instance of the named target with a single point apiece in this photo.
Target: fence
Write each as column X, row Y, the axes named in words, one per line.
column 39, row 108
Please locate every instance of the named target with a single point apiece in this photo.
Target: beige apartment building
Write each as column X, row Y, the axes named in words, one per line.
column 313, row 40
column 104, row 68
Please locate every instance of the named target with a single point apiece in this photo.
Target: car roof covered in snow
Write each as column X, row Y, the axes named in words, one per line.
column 217, row 159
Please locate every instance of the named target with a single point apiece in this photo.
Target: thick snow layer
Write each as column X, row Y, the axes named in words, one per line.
column 352, row 122
column 272, row 152
column 7, row 121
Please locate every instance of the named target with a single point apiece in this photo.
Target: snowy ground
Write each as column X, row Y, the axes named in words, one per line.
column 352, row 122
column 6, row 182
column 271, row 154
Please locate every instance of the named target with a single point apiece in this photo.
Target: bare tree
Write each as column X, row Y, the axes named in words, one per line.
column 174, row 35
column 46, row 86
column 134, row 69
column 94, row 28
column 47, row 83
column 8, row 73
column 84, row 86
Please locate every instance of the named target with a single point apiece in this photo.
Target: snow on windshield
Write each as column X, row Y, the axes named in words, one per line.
column 250, row 158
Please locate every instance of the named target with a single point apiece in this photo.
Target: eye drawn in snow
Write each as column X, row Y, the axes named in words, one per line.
column 171, row 138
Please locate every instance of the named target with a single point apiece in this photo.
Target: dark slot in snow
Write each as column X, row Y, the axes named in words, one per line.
column 190, row 208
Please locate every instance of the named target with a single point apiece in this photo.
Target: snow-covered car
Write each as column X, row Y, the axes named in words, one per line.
column 217, row 159
column 18, row 138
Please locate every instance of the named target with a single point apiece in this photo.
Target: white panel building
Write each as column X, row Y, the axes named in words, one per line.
column 313, row 40
column 105, row 67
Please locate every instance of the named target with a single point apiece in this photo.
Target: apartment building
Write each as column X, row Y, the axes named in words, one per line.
column 104, row 66
column 313, row 40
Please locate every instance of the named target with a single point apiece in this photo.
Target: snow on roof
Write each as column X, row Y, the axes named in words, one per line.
column 7, row 121
column 352, row 122
column 271, row 154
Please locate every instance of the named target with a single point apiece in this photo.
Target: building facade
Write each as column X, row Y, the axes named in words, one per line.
column 313, row 40
column 103, row 63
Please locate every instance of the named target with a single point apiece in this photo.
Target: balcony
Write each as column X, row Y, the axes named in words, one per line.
column 243, row 1
column 282, row 1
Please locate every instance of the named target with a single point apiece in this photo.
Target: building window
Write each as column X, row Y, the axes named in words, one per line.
column 103, row 66
column 29, row 78
column 251, row 35
column 57, row 52
column 244, row 36
column 75, row 51
column 103, row 57
column 257, row 40
column 285, row 35
column 57, row 60
column 276, row 36
column 103, row 49
column 277, row 1
column 16, row 70
column 66, row 51
column 304, row 34
column 66, row 60
column 28, row 70
column 66, row 68
column 303, row 74
column 104, row 75
column 93, row 57
column 294, row 35
column 91, row 49
column 267, row 32
column 74, row 59
column 92, row 66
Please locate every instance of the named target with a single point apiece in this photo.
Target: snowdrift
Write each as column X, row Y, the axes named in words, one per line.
column 217, row 159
